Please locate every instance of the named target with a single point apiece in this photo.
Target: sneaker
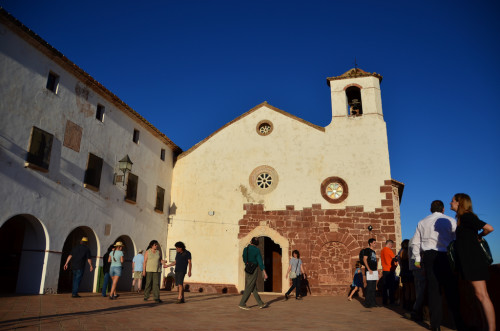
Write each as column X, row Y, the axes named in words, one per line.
column 263, row 306
column 158, row 301
column 298, row 298
column 244, row 307
column 286, row 296
column 76, row 296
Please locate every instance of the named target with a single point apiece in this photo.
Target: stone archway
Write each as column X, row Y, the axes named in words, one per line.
column 23, row 243
column 333, row 263
column 264, row 231
column 89, row 280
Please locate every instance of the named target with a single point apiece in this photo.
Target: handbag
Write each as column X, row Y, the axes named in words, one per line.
column 293, row 274
column 250, row 266
column 486, row 250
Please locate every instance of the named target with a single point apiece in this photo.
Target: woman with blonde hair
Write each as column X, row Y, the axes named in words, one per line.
column 472, row 263
column 115, row 270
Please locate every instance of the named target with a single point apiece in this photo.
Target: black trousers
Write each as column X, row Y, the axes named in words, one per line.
column 439, row 276
column 371, row 287
column 389, row 286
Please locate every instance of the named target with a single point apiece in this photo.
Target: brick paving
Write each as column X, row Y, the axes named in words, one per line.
column 200, row 312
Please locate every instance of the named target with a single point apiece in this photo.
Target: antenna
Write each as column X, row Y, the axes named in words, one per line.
column 355, row 64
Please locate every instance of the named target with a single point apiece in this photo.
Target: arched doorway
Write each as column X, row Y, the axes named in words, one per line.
column 271, row 254
column 125, row 280
column 66, row 276
column 275, row 251
column 23, row 244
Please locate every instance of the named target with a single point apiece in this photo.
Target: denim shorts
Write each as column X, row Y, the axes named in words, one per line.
column 115, row 271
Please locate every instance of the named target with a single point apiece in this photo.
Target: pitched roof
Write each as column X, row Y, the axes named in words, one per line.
column 44, row 47
column 264, row 104
column 354, row 73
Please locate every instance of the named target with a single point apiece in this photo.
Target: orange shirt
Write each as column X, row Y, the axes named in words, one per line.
column 387, row 258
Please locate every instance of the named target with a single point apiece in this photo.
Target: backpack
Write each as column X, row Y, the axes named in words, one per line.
column 361, row 254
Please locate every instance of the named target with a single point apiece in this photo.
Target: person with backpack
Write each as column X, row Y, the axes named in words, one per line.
column 370, row 263
column 295, row 271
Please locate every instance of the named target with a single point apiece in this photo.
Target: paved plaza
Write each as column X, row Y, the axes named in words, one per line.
column 200, row 312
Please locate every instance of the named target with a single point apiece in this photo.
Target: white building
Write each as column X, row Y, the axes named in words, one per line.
column 61, row 137
column 267, row 174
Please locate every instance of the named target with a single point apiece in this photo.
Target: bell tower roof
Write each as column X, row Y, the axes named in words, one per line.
column 354, row 73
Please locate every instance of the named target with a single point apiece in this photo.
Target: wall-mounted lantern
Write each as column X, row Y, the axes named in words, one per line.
column 370, row 228
column 125, row 165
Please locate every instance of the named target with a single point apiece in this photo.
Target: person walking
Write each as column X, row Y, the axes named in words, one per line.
column 295, row 272
column 152, row 271
column 182, row 265
column 357, row 281
column 251, row 254
column 115, row 270
column 472, row 263
column 432, row 237
column 370, row 263
column 79, row 254
column 105, row 269
column 137, row 266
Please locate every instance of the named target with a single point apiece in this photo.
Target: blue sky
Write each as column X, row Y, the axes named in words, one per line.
column 189, row 67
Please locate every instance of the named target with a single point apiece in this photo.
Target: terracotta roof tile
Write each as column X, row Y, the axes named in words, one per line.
column 354, row 73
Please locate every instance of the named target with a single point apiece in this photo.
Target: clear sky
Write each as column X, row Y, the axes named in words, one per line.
column 189, row 67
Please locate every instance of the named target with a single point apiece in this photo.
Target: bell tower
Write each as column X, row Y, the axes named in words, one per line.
column 355, row 93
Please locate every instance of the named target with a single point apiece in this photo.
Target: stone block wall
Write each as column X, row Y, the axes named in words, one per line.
column 329, row 240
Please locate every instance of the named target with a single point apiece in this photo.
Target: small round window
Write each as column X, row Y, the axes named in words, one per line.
column 264, row 127
column 263, row 179
column 334, row 189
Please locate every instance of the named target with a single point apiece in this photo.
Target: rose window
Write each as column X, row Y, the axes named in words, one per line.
column 264, row 180
column 334, row 190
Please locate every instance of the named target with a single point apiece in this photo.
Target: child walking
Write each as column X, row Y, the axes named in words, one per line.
column 357, row 281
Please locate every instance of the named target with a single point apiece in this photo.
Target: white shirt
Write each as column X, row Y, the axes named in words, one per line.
column 435, row 232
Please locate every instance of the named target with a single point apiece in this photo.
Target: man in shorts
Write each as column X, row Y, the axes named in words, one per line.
column 182, row 266
column 137, row 266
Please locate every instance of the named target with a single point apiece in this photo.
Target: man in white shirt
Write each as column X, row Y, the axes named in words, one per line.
column 432, row 237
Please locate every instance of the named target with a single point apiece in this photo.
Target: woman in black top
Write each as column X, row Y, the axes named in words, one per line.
column 472, row 263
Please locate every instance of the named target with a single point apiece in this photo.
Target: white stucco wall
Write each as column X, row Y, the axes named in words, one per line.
column 57, row 198
column 215, row 177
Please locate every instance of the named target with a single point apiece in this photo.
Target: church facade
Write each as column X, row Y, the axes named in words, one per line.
column 269, row 174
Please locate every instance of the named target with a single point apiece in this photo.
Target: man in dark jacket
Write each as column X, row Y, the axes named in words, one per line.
column 79, row 254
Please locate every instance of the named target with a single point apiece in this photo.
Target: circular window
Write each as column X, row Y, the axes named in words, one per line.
column 264, row 127
column 263, row 179
column 334, row 189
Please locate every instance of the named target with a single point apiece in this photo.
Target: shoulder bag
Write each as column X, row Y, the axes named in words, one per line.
column 486, row 250
column 250, row 266
column 293, row 274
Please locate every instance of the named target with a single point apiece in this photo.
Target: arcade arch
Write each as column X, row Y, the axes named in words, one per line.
column 89, row 279
column 23, row 243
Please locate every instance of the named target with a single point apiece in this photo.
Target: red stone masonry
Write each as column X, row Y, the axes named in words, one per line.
column 329, row 240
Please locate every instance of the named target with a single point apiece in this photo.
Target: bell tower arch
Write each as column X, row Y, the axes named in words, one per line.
column 355, row 93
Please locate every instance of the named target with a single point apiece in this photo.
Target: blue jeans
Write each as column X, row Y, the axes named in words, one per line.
column 296, row 286
column 77, row 279
column 105, row 283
